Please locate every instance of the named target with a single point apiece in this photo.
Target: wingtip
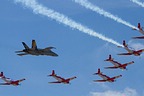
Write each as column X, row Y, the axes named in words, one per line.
column 94, row 80
column 19, row 55
column 133, row 37
column 120, row 75
column 119, row 54
column 23, row 42
column 50, row 82
column 94, row 74
column 106, row 68
column 18, row 51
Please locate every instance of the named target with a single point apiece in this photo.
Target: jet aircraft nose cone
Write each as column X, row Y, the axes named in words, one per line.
column 55, row 54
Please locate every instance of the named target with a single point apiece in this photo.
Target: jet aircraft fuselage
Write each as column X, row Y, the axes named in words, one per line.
column 36, row 51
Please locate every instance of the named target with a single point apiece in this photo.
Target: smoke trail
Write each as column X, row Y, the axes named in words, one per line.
column 138, row 2
column 94, row 8
column 40, row 9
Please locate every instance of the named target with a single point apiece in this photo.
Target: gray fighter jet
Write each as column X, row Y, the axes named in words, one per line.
column 36, row 51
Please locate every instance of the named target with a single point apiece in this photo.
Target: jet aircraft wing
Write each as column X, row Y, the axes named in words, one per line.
column 49, row 48
column 19, row 51
column 22, row 54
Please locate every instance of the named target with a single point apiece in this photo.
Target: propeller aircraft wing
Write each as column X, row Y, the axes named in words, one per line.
column 55, row 82
column 115, row 77
column 125, row 54
column 114, row 67
column 4, row 83
column 140, row 37
column 99, row 80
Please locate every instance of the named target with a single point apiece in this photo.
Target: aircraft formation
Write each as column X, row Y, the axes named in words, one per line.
column 118, row 65
column 35, row 52
column 48, row 52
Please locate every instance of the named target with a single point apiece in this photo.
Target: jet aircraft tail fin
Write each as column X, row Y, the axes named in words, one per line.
column 24, row 44
column 34, row 45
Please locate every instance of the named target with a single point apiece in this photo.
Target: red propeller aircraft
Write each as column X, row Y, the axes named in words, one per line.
column 117, row 64
column 60, row 79
column 131, row 52
column 9, row 81
column 106, row 78
column 140, row 29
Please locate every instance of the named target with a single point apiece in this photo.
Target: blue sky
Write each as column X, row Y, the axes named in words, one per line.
column 79, row 54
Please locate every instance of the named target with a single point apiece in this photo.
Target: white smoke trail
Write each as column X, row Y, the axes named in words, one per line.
column 100, row 11
column 40, row 9
column 138, row 2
